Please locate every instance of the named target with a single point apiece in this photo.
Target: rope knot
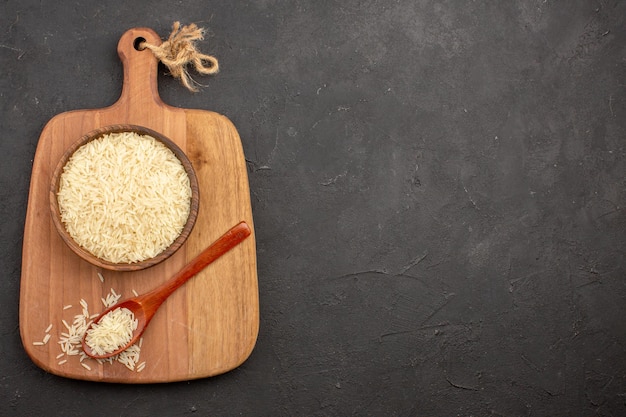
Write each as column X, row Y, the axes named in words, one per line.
column 179, row 51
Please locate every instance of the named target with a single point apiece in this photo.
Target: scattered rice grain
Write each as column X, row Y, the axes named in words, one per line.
column 70, row 341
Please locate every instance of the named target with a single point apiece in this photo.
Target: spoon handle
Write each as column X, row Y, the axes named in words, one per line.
column 153, row 299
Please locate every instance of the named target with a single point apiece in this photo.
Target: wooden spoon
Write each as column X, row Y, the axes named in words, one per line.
column 145, row 306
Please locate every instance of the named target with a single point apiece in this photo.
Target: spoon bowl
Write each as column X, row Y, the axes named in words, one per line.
column 146, row 305
column 137, row 307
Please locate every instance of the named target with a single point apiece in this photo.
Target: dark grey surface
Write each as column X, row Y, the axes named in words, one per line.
column 438, row 191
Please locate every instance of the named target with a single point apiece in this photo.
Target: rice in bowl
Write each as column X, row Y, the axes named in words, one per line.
column 124, row 197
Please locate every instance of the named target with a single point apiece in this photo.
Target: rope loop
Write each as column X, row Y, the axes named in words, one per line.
column 179, row 51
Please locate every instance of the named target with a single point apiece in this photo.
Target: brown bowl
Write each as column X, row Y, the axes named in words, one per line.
column 88, row 256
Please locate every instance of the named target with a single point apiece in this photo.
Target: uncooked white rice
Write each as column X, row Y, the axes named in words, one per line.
column 70, row 341
column 48, row 328
column 114, row 330
column 124, row 197
column 112, row 299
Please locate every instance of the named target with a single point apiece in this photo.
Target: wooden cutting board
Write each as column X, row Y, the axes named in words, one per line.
column 210, row 325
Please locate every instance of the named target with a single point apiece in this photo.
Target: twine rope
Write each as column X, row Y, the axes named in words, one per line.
column 179, row 51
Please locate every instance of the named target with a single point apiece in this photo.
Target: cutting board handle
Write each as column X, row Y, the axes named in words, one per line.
column 140, row 69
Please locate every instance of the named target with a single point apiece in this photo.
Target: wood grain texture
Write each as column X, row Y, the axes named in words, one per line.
column 207, row 327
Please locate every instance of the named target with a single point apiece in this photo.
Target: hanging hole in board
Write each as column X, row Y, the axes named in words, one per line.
column 137, row 43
